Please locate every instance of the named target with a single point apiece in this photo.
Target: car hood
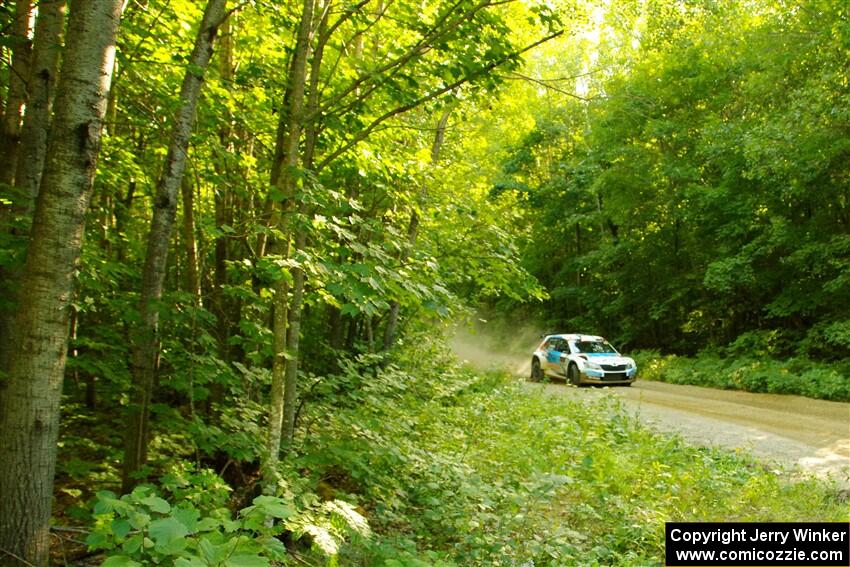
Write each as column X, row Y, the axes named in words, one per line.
column 601, row 358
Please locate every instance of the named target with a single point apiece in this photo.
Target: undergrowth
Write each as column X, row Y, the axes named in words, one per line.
column 797, row 375
column 409, row 459
column 455, row 467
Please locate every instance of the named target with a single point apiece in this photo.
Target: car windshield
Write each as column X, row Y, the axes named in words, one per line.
column 595, row 347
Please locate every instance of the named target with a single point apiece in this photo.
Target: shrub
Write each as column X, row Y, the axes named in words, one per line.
column 454, row 467
column 143, row 528
column 799, row 376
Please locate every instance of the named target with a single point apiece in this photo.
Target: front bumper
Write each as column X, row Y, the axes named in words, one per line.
column 609, row 377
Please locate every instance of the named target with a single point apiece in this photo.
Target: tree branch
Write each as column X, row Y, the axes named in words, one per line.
column 421, row 48
column 348, row 14
column 434, row 33
column 344, row 43
column 363, row 134
column 514, row 75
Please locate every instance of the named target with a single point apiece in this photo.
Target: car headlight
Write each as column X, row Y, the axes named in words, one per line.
column 631, row 365
column 592, row 365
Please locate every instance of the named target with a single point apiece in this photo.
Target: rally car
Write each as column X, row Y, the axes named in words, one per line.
column 581, row 359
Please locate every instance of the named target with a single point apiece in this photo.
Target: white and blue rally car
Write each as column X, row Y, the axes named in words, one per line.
column 581, row 359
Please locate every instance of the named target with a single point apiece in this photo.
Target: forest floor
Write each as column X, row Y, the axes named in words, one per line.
column 792, row 433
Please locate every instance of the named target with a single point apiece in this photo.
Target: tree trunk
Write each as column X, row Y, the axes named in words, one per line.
column 16, row 99
column 49, row 31
column 190, row 245
column 223, row 307
column 335, row 323
column 112, row 103
column 284, row 179
column 351, row 332
column 122, row 213
column 392, row 322
column 370, row 335
column 153, row 274
column 9, row 141
column 31, row 394
column 293, row 335
column 578, row 253
column 293, row 343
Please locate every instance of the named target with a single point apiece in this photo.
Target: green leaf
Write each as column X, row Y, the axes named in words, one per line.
column 207, row 524
column 119, row 561
column 189, row 562
column 105, row 502
column 139, row 493
column 230, row 526
column 175, row 547
column 243, row 560
column 139, row 520
column 157, row 504
column 209, row 551
column 97, row 540
column 274, row 547
column 188, row 517
column 166, row 531
column 274, row 507
column 121, row 528
column 349, row 309
column 133, row 544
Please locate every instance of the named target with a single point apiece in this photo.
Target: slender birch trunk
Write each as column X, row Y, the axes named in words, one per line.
column 293, row 342
column 285, row 180
column 153, row 275
column 224, row 307
column 30, row 396
column 49, row 30
column 293, row 335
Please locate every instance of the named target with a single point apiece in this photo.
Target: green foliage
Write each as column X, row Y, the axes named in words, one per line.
column 693, row 195
column 200, row 488
column 745, row 371
column 143, row 528
column 453, row 467
column 699, row 193
column 405, row 458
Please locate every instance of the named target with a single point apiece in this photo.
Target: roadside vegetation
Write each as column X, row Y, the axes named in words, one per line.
column 798, row 376
column 409, row 459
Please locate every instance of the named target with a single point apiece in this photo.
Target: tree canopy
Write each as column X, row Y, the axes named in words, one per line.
column 697, row 193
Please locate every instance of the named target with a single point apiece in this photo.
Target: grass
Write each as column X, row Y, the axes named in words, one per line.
column 492, row 473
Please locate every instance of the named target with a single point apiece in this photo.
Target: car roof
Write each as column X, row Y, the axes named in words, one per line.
column 577, row 337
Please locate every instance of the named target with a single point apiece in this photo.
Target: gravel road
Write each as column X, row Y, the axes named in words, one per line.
column 814, row 435
column 802, row 435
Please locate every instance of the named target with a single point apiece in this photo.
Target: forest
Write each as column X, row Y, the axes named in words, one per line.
column 235, row 236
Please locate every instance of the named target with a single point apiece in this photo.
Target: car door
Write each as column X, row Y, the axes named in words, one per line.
column 556, row 347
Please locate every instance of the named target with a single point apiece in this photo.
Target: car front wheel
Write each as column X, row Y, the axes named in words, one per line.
column 536, row 371
column 573, row 375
